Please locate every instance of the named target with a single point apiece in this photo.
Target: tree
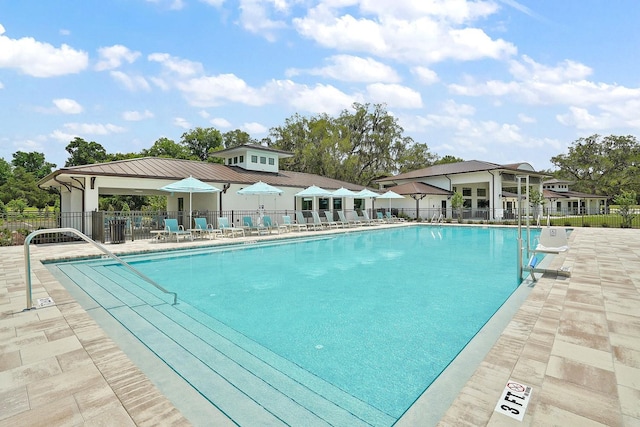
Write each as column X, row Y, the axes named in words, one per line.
column 626, row 200
column 32, row 162
column 601, row 165
column 5, row 171
column 536, row 200
column 165, row 147
column 448, row 159
column 359, row 146
column 201, row 142
column 85, row 153
column 415, row 157
column 457, row 201
column 235, row 138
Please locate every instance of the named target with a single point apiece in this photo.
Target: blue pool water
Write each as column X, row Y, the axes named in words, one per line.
column 378, row 314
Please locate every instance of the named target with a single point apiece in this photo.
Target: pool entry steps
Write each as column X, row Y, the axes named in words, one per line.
column 27, row 260
column 244, row 380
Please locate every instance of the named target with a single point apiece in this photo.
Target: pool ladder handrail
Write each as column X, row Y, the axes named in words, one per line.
column 27, row 260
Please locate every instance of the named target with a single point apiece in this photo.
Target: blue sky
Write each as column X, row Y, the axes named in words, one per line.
column 500, row 81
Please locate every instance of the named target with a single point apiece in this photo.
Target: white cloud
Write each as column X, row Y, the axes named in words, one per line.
column 352, row 69
column 209, row 91
column 169, row 4
column 394, row 95
column 526, row 119
column 563, row 84
column 181, row 122
column 94, row 128
column 68, row 106
column 136, row 116
column 412, row 32
column 219, row 122
column 181, row 67
column 132, row 83
column 255, row 17
column 1, row 85
column 254, row 128
column 318, row 99
column 112, row 57
column 39, row 59
column 72, row 130
column 216, row 3
column 426, row 75
column 528, row 69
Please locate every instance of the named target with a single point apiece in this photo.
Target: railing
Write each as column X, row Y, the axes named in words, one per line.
column 139, row 224
column 27, row 261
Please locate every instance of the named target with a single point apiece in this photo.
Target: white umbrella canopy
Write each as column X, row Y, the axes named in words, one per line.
column 260, row 189
column 390, row 195
column 343, row 192
column 366, row 193
column 190, row 185
column 314, row 191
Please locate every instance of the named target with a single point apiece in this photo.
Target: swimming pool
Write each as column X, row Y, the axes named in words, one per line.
column 364, row 320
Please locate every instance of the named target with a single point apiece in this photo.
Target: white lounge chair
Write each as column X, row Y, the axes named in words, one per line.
column 344, row 221
column 227, row 229
column 317, row 222
column 287, row 222
column 204, row 229
column 330, row 221
column 172, row 228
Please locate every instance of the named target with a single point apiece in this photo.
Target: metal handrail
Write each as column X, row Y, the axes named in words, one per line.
column 27, row 260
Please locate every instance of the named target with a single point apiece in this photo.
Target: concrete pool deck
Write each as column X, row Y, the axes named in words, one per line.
column 575, row 340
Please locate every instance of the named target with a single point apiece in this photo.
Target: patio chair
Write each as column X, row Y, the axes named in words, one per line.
column 552, row 240
column 343, row 220
column 330, row 221
column 317, row 222
column 381, row 217
column 399, row 219
column 270, row 226
column 247, row 224
column 227, row 229
column 286, row 220
column 202, row 228
column 367, row 220
column 301, row 220
column 172, row 228
column 355, row 219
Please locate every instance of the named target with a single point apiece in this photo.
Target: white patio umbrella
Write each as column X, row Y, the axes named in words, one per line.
column 365, row 193
column 343, row 192
column 390, row 195
column 314, row 191
column 190, row 185
column 260, row 189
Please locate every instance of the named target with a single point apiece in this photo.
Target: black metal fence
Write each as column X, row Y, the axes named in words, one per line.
column 117, row 227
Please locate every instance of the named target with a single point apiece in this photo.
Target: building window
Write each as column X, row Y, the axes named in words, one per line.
column 235, row 160
column 272, row 161
column 466, row 192
column 483, row 203
column 263, row 160
column 337, row 204
column 455, row 188
column 466, row 204
column 241, row 159
column 229, row 160
column 254, row 159
column 358, row 203
column 481, row 192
